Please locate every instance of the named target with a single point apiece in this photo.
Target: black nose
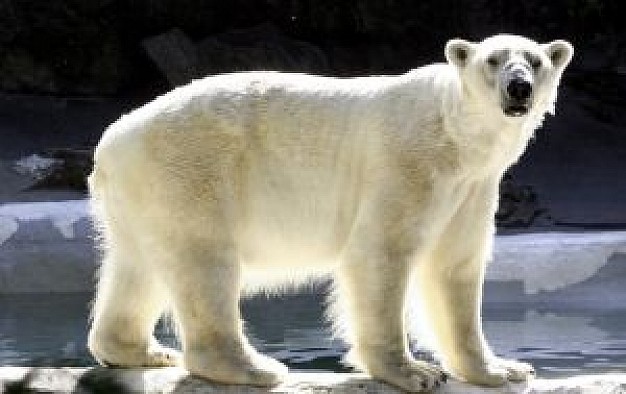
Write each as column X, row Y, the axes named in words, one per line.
column 519, row 89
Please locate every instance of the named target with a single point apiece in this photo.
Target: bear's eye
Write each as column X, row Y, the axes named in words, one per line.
column 493, row 61
column 535, row 63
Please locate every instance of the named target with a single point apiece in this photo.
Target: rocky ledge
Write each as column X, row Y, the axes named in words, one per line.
column 175, row 380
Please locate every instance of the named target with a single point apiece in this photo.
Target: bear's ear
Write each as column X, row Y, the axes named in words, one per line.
column 559, row 52
column 458, row 52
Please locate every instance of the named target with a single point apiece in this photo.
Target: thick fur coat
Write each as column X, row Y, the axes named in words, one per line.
column 261, row 180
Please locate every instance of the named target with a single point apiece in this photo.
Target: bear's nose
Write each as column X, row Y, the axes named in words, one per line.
column 519, row 89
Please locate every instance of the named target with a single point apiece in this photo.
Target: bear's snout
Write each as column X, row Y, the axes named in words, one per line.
column 519, row 89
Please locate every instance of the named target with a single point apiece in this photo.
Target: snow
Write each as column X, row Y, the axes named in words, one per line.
column 551, row 261
column 8, row 227
column 62, row 214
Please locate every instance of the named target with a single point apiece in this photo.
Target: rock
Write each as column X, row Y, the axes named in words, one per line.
column 176, row 380
column 57, row 168
column 19, row 71
column 519, row 206
column 93, row 47
column 35, row 166
column 261, row 47
column 174, row 54
column 71, row 172
column 63, row 48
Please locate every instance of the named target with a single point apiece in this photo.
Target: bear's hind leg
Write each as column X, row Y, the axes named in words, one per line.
column 374, row 293
column 203, row 281
column 128, row 304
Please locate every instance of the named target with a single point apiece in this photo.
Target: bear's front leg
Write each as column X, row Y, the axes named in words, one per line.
column 373, row 289
column 203, row 281
column 451, row 283
column 453, row 307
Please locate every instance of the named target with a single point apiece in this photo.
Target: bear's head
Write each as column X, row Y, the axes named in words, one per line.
column 512, row 73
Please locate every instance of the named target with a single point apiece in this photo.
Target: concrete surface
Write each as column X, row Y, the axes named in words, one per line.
column 176, row 380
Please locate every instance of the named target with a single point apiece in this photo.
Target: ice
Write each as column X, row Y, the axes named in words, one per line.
column 8, row 227
column 547, row 333
column 62, row 214
column 551, row 261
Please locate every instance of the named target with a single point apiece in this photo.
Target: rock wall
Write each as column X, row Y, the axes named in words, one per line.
column 69, row 47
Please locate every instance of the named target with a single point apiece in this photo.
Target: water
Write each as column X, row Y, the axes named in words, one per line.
column 559, row 340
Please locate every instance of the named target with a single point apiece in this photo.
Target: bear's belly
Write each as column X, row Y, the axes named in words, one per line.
column 298, row 218
column 300, row 193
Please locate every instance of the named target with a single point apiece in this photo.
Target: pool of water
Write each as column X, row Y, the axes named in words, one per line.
column 559, row 340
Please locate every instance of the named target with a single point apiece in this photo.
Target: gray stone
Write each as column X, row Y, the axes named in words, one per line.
column 174, row 54
column 176, row 380
column 261, row 47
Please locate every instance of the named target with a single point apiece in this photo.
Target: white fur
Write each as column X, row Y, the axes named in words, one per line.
column 263, row 180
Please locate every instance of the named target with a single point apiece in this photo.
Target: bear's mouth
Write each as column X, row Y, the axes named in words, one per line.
column 516, row 109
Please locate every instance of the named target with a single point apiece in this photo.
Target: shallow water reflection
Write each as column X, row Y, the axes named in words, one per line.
column 559, row 340
column 50, row 330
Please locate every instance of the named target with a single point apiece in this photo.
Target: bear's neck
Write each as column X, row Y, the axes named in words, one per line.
column 488, row 141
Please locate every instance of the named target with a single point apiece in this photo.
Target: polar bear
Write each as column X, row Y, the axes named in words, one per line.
column 261, row 180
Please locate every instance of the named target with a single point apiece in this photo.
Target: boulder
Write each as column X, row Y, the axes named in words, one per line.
column 261, row 47
column 174, row 55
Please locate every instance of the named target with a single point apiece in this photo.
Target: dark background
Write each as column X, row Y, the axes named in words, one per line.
column 77, row 47
column 68, row 68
